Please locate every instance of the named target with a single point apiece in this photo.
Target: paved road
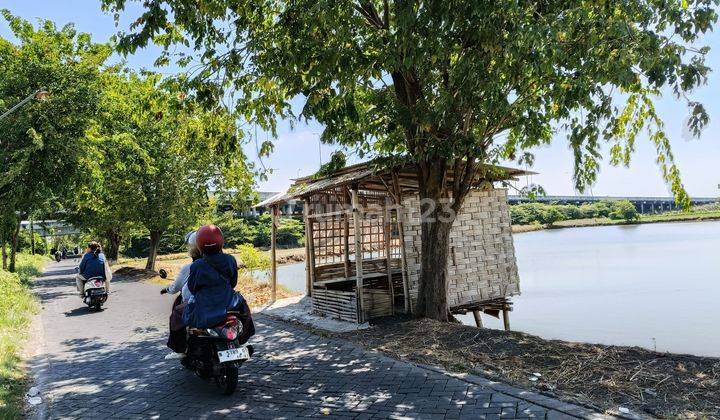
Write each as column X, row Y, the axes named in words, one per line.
column 112, row 364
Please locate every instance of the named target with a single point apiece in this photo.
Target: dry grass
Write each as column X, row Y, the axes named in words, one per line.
column 605, row 377
column 257, row 293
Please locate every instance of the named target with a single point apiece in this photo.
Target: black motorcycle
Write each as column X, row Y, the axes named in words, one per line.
column 218, row 352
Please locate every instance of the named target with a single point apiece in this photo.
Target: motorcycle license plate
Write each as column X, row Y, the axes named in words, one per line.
column 229, row 355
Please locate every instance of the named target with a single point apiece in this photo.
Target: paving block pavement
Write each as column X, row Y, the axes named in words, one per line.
column 112, row 364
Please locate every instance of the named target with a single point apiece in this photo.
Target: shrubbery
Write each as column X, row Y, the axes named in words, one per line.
column 237, row 230
column 17, row 305
column 547, row 214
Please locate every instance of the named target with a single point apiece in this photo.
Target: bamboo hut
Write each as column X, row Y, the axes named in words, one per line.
column 362, row 227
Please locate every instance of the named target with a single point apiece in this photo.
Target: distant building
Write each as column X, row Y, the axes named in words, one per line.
column 291, row 207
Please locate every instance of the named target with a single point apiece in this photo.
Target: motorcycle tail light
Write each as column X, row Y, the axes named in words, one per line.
column 230, row 333
column 98, row 283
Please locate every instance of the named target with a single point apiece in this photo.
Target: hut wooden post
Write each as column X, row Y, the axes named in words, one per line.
column 309, row 250
column 358, row 251
column 478, row 320
column 273, row 246
column 346, row 237
column 387, row 222
column 506, row 318
column 401, row 230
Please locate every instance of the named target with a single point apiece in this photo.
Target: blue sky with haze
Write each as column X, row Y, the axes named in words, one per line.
column 297, row 151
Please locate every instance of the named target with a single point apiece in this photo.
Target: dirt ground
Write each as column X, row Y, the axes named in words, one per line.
column 602, row 377
column 257, row 293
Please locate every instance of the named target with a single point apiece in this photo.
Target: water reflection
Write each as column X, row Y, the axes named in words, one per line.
column 653, row 285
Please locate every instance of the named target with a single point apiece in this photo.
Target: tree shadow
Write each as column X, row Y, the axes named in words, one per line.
column 293, row 373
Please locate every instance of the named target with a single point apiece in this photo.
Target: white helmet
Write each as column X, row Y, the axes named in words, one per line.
column 190, row 239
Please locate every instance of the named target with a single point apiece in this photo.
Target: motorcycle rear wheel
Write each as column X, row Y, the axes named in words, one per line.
column 227, row 379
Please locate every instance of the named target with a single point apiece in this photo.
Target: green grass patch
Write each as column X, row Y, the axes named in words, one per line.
column 17, row 305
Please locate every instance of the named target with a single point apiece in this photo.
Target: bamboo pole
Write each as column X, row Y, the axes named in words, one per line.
column 346, row 237
column 273, row 253
column 358, row 252
column 478, row 320
column 401, row 230
column 309, row 250
column 387, row 221
column 506, row 318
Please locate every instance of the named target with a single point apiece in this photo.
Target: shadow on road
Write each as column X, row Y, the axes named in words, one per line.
column 294, row 374
column 83, row 310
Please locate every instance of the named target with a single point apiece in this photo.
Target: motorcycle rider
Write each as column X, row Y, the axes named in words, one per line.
column 211, row 282
column 93, row 264
column 177, row 339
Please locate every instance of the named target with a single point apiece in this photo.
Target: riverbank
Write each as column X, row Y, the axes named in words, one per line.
column 17, row 306
column 669, row 217
column 605, row 378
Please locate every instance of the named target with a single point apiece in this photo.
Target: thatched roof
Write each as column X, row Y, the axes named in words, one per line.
column 370, row 175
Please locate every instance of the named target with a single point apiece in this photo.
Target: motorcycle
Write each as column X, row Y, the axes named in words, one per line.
column 94, row 293
column 217, row 353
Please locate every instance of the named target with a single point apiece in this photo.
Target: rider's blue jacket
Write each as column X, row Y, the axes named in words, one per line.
column 92, row 265
column 211, row 282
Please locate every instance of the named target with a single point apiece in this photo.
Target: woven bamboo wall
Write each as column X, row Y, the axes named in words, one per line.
column 482, row 263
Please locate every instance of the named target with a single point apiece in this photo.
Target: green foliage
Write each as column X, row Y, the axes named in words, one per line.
column 155, row 154
column 338, row 160
column 290, row 232
column 43, row 142
column 551, row 214
column 237, row 230
column 547, row 214
column 624, row 209
column 252, row 259
column 17, row 304
column 533, row 191
column 24, row 244
column 394, row 77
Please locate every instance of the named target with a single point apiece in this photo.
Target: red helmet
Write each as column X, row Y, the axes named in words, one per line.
column 209, row 239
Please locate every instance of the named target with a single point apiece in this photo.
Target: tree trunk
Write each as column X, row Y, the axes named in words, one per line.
column 4, row 250
column 435, row 238
column 14, row 246
column 113, row 244
column 437, row 218
column 154, row 244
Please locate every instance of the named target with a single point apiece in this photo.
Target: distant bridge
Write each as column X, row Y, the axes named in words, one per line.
column 642, row 204
column 50, row 228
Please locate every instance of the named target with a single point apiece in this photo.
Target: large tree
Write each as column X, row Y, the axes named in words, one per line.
column 41, row 143
column 449, row 85
column 155, row 154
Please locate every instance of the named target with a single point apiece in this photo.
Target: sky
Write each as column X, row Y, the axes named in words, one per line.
column 298, row 151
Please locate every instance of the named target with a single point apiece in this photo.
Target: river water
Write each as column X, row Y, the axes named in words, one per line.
column 655, row 285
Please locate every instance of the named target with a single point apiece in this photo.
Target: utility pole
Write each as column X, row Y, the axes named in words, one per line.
column 40, row 94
